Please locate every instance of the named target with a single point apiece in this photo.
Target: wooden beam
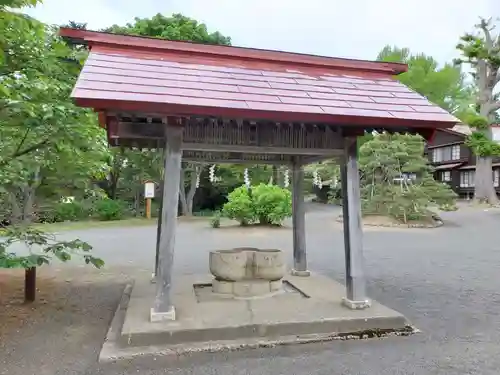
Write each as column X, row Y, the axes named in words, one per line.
column 298, row 220
column 315, row 159
column 353, row 234
column 324, row 152
column 163, row 308
column 237, row 161
column 257, row 149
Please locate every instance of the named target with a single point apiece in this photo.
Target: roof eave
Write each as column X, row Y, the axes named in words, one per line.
column 101, row 105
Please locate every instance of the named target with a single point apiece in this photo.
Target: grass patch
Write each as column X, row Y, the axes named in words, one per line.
column 76, row 225
column 89, row 224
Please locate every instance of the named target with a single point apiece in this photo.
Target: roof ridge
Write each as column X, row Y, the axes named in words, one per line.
column 94, row 38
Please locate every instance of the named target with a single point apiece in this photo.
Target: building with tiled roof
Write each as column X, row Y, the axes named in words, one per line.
column 455, row 163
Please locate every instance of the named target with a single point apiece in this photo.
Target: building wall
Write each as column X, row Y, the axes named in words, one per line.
column 467, row 159
column 442, row 138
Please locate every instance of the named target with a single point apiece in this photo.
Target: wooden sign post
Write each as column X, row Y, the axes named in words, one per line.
column 149, row 193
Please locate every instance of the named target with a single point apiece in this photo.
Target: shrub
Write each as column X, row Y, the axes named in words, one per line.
column 71, row 211
column 265, row 204
column 109, row 209
column 239, row 206
column 271, row 204
column 215, row 221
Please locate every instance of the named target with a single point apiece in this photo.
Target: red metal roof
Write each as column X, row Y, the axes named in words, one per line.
column 143, row 74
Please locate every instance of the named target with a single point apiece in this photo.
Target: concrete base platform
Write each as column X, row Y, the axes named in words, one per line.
column 309, row 309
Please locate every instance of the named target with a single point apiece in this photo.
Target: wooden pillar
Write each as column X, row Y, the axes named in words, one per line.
column 148, row 208
column 353, row 233
column 159, row 221
column 158, row 234
column 299, row 221
column 163, row 308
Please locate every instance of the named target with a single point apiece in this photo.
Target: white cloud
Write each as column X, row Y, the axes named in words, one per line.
column 356, row 28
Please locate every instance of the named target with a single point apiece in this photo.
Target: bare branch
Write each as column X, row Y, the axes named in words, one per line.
column 22, row 141
column 491, row 45
column 485, row 25
column 27, row 150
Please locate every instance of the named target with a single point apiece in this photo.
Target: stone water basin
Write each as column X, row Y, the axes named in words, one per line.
column 247, row 272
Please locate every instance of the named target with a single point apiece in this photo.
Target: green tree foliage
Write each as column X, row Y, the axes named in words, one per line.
column 42, row 248
column 45, row 138
column 481, row 51
column 128, row 170
column 17, row 4
column 264, row 204
column 396, row 179
column 444, row 86
column 176, row 27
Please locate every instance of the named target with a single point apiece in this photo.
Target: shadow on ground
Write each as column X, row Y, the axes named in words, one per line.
column 445, row 280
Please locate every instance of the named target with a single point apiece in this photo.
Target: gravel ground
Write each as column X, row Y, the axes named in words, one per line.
column 444, row 280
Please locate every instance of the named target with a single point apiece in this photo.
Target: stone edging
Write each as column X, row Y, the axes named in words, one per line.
column 436, row 224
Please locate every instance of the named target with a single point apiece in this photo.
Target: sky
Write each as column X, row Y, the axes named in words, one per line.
column 340, row 28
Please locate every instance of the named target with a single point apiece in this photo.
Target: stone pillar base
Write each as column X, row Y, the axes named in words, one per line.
column 356, row 305
column 246, row 288
column 301, row 273
column 162, row 316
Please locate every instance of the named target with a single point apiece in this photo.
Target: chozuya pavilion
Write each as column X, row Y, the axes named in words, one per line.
column 241, row 105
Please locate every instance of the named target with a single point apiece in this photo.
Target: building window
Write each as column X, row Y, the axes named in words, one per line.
column 467, row 178
column 437, row 155
column 446, row 176
column 446, row 153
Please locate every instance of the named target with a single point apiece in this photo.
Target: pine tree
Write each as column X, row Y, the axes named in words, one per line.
column 397, row 181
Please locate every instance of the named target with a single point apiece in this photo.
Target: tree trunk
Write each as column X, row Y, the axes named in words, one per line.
column 486, row 80
column 137, row 199
column 484, row 191
column 113, row 185
column 28, row 203
column 29, row 191
column 274, row 175
column 30, row 284
column 16, row 215
column 182, row 196
column 187, row 199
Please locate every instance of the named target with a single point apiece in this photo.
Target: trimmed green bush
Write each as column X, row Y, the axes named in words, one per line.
column 239, row 206
column 264, row 204
column 271, row 203
column 71, row 211
column 109, row 209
